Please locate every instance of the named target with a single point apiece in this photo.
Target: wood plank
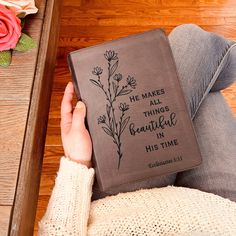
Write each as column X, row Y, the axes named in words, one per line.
column 103, row 32
column 81, row 37
column 51, row 162
column 230, row 20
column 29, row 175
column 62, row 76
column 53, row 132
column 205, row 3
column 17, row 86
column 119, row 5
column 40, row 4
column 13, row 116
column 144, row 20
column 5, row 212
column 139, row 10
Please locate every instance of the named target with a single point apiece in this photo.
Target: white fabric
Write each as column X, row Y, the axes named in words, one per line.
column 158, row 211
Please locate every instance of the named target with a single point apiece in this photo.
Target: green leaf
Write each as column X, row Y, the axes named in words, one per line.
column 25, row 43
column 5, row 58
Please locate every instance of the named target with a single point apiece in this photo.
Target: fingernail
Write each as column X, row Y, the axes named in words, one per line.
column 79, row 104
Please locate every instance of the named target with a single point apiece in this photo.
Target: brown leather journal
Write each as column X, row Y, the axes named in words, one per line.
column 136, row 112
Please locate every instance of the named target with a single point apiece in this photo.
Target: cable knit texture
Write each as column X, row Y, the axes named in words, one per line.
column 158, row 211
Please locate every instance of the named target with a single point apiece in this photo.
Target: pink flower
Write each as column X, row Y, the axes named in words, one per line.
column 20, row 7
column 10, row 29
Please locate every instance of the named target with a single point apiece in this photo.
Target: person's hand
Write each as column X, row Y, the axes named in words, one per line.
column 75, row 137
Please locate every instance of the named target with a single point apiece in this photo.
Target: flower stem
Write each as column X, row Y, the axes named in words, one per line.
column 111, row 101
column 102, row 87
column 109, row 79
column 123, row 87
column 118, row 140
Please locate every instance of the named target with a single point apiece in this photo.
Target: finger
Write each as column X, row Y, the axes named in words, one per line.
column 66, row 108
column 79, row 115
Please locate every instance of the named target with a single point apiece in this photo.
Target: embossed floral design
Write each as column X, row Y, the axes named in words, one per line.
column 124, row 107
column 112, row 125
column 102, row 119
column 131, row 82
column 110, row 55
column 117, row 77
column 97, row 70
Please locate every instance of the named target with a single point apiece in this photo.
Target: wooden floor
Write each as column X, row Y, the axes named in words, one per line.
column 85, row 23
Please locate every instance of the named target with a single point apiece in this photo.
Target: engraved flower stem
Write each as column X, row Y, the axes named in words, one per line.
column 118, row 138
column 109, row 78
column 122, row 88
column 115, row 96
column 111, row 127
column 107, row 98
column 102, row 87
column 111, row 105
column 111, row 100
column 117, row 135
column 115, row 126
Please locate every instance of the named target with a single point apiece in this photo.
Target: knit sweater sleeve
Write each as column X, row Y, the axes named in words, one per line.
column 68, row 209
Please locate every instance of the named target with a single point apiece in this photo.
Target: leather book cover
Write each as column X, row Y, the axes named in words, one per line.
column 136, row 112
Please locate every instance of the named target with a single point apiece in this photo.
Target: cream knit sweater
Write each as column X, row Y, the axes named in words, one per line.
column 157, row 211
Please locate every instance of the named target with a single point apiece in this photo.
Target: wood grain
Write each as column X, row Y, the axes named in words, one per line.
column 15, row 92
column 5, row 212
column 86, row 23
column 13, row 117
column 29, row 174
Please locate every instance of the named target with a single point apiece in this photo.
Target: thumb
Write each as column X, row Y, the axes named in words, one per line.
column 79, row 115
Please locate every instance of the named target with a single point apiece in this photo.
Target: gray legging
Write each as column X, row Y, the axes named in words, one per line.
column 205, row 62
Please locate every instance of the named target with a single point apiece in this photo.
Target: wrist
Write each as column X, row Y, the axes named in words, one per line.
column 83, row 162
column 86, row 163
